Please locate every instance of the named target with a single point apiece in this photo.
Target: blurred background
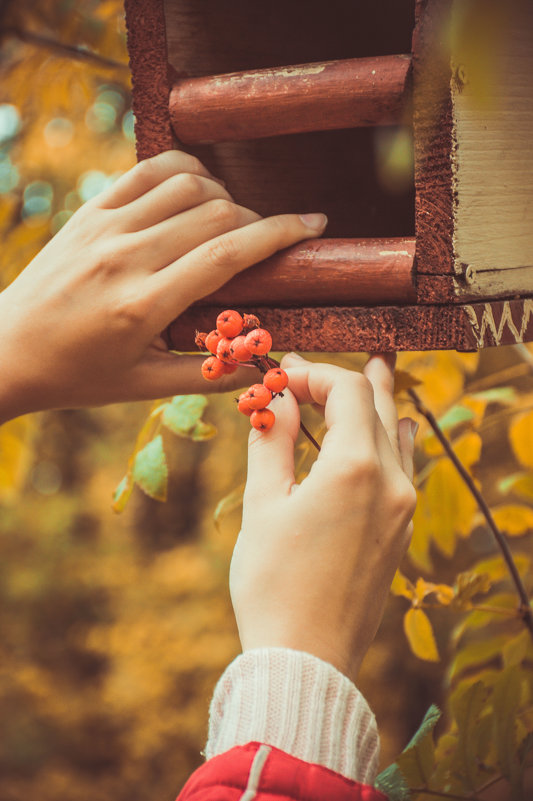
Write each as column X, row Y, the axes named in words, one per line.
column 115, row 628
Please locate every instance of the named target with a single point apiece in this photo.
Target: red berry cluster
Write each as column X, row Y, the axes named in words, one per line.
column 240, row 340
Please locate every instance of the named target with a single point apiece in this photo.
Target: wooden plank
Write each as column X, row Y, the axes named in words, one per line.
column 147, row 49
column 340, row 329
column 433, row 130
column 326, row 272
column 493, row 163
column 327, row 95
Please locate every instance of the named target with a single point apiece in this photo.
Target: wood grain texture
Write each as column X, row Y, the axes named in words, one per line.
column 147, row 47
column 434, row 143
column 344, row 329
column 493, row 164
column 326, row 272
column 347, row 93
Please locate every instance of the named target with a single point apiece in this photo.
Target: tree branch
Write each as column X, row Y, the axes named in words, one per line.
column 63, row 49
column 525, row 609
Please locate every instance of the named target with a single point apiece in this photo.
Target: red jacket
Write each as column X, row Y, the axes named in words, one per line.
column 256, row 772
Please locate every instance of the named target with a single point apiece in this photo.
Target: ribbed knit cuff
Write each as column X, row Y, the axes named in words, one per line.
column 299, row 704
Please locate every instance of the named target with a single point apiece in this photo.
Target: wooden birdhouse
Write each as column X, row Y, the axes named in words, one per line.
column 289, row 102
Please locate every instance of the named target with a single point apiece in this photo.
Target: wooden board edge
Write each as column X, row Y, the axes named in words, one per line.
column 434, row 141
column 147, row 47
column 387, row 328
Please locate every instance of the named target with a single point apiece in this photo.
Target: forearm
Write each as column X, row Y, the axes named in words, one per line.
column 299, row 704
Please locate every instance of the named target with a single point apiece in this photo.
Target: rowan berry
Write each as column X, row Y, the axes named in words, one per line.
column 212, row 340
column 212, row 368
column 250, row 321
column 229, row 368
column 276, row 379
column 258, row 341
column 199, row 340
column 243, row 405
column 259, row 395
column 262, row 419
column 223, row 350
column 229, row 323
column 238, row 349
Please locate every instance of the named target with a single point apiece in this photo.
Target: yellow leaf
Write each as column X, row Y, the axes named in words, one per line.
column 419, row 633
column 15, row 455
column 449, row 507
column 402, row 586
column 521, row 437
column 513, row 519
column 468, row 448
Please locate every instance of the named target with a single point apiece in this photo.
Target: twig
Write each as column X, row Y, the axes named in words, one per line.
column 270, row 362
column 69, row 50
column 525, row 609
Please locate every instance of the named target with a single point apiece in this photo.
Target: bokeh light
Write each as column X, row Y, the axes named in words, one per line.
column 10, row 122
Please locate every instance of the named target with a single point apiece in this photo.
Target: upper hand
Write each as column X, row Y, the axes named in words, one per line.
column 314, row 561
column 81, row 324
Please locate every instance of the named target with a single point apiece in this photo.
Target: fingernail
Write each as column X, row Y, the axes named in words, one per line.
column 315, row 221
column 414, row 429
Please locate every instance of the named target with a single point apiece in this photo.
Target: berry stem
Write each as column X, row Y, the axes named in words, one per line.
column 305, row 431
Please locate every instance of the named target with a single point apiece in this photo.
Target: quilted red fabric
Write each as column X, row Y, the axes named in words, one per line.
column 261, row 773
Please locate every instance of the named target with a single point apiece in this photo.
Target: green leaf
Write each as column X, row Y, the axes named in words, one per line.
column 183, row 413
column 515, row 649
column 429, row 722
column 505, row 395
column 122, row 494
column 468, row 707
column 505, row 703
column 478, row 653
column 203, row 431
column 417, row 760
column 150, row 469
column 392, row 783
column 229, row 504
column 457, row 414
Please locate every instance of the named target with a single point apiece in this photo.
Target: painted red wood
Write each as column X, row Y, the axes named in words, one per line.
column 384, row 328
column 326, row 272
column 283, row 100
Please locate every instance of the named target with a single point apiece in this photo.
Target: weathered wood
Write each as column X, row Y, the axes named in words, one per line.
column 146, row 25
column 321, row 96
column 326, row 272
column 433, row 133
column 492, row 93
column 464, row 327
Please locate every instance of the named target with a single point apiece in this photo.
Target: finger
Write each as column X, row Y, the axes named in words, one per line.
column 162, row 374
column 350, row 415
column 407, row 433
column 380, row 372
column 211, row 265
column 167, row 241
column 271, row 453
column 150, row 173
column 176, row 194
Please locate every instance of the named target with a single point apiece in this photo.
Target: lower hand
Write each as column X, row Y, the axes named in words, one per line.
column 314, row 561
column 81, row 325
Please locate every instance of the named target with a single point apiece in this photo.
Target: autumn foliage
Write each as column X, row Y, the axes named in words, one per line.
column 115, row 627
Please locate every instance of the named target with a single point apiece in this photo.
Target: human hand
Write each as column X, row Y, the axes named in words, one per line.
column 81, row 325
column 314, row 562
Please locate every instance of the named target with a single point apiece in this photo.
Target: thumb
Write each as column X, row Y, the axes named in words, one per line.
column 271, row 453
column 407, row 429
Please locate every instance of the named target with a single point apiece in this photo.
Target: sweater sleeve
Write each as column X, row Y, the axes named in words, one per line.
column 299, row 704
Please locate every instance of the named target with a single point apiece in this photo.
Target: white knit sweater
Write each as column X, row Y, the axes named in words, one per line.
column 296, row 702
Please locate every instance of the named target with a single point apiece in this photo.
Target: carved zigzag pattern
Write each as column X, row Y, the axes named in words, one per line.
column 497, row 332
